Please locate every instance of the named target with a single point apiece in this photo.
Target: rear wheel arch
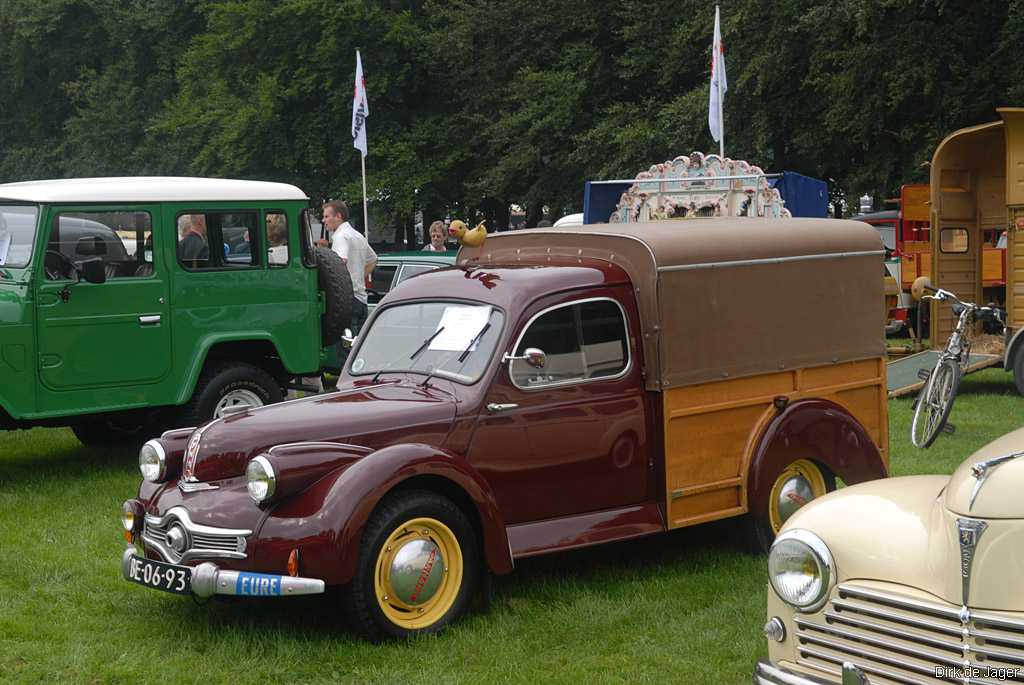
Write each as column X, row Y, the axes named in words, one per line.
column 802, row 430
column 816, row 435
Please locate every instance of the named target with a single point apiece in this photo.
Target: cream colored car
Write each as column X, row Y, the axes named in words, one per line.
column 904, row 580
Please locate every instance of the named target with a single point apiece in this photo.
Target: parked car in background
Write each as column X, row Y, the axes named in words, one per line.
column 394, row 268
column 191, row 321
column 905, row 580
column 557, row 388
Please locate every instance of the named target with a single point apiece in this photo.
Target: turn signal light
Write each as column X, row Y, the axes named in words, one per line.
column 293, row 563
column 127, row 536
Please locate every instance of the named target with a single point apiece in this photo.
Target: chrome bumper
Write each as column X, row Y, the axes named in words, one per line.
column 208, row 579
column 767, row 673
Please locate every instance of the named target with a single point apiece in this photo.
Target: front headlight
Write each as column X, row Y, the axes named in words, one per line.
column 131, row 515
column 153, row 461
column 260, row 479
column 801, row 569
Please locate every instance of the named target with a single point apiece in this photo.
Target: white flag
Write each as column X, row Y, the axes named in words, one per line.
column 718, row 83
column 360, row 109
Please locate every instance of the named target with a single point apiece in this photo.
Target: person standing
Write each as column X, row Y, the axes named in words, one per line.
column 357, row 254
column 436, row 243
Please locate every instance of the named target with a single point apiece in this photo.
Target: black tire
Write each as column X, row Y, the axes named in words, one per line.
column 336, row 285
column 219, row 380
column 934, row 402
column 759, row 530
column 122, row 430
column 359, row 598
column 1018, row 370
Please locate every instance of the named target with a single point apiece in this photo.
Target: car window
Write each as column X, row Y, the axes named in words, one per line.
column 306, row 235
column 581, row 341
column 453, row 340
column 217, row 240
column 17, row 234
column 380, row 282
column 123, row 241
column 277, row 238
column 410, row 270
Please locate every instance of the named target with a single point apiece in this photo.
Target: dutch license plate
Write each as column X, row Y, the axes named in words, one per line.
column 161, row 576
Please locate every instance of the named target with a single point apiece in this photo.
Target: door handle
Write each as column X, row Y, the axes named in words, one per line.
column 496, row 408
column 149, row 320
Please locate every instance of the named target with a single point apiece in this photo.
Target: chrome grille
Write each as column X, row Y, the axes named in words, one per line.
column 901, row 640
column 201, row 542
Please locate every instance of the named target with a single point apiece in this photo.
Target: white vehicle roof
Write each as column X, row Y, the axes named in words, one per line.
column 148, row 189
column 570, row 220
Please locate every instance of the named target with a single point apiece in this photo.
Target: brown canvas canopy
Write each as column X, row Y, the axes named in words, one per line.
column 729, row 297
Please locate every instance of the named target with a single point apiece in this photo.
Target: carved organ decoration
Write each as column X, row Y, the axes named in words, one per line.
column 699, row 185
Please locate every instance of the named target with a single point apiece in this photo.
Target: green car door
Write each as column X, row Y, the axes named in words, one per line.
column 98, row 338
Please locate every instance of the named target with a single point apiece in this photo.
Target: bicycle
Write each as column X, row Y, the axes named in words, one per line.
column 935, row 401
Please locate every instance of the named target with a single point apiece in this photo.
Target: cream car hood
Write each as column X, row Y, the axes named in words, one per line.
column 899, row 530
column 1001, row 492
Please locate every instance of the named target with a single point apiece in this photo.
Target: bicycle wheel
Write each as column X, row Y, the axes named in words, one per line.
column 934, row 403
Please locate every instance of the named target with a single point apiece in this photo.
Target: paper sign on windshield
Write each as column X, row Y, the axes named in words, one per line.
column 5, row 246
column 461, row 324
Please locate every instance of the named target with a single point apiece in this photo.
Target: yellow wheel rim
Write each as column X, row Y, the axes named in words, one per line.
column 798, row 484
column 418, row 573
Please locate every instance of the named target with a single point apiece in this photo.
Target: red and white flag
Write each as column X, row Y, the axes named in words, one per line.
column 718, row 83
column 360, row 109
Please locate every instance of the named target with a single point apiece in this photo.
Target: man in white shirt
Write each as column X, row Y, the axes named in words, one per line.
column 357, row 254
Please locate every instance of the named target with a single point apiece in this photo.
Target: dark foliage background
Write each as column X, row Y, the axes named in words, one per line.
column 478, row 104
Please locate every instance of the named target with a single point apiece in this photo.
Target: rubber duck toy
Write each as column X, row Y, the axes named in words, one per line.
column 468, row 237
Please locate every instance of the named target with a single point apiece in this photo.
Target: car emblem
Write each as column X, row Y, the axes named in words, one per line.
column 191, row 452
column 968, row 533
column 982, row 469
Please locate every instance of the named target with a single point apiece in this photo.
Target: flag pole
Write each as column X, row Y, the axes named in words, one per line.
column 721, row 116
column 366, row 221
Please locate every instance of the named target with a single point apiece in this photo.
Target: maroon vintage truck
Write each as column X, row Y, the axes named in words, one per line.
column 554, row 389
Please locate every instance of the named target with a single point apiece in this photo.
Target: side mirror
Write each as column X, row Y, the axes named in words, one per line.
column 90, row 246
column 93, row 270
column 347, row 339
column 532, row 356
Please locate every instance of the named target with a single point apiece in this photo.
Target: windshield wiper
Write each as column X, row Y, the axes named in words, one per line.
column 418, row 352
column 425, row 343
column 476, row 338
column 462, row 357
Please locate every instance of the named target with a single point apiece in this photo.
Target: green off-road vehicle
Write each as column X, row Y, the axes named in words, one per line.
column 129, row 305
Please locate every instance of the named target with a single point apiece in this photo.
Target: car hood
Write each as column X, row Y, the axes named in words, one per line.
column 899, row 530
column 373, row 416
column 995, row 492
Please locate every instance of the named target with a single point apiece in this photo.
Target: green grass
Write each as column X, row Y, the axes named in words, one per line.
column 681, row 608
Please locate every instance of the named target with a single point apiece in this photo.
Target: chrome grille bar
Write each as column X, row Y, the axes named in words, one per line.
column 867, row 639
column 950, row 645
column 904, row 640
column 204, row 542
column 870, row 668
column 842, row 605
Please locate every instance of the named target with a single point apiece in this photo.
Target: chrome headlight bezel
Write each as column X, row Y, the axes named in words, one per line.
column 816, row 551
column 153, row 462
column 260, row 479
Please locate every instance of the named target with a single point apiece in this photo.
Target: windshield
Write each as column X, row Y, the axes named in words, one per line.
column 446, row 339
column 17, row 234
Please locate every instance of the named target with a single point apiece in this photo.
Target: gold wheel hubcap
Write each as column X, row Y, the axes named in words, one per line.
column 418, row 573
column 798, row 484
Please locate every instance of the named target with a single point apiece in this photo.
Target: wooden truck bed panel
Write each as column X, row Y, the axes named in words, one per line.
column 711, row 430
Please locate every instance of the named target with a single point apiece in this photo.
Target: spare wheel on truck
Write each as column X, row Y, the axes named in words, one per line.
column 336, row 285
